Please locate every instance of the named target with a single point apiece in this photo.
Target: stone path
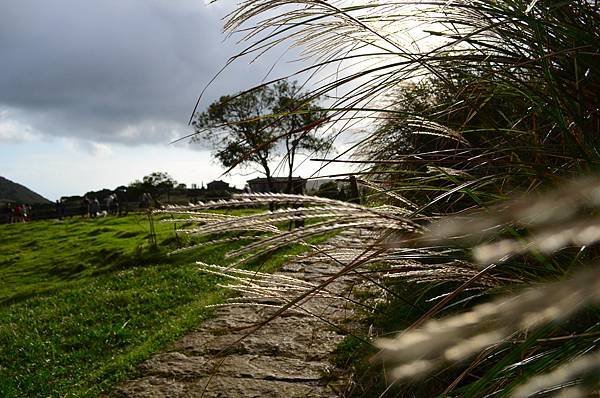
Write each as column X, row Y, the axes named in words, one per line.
column 289, row 357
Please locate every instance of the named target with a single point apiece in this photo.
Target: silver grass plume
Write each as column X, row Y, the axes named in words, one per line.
column 257, row 199
column 212, row 242
column 263, row 289
column 455, row 271
column 579, row 233
column 338, row 215
column 219, row 223
column 298, row 235
column 537, row 210
column 556, row 219
column 266, row 220
column 195, row 216
column 585, row 366
column 421, row 351
column 401, row 264
column 367, row 220
column 389, row 193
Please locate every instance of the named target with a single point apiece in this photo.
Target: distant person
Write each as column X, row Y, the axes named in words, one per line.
column 115, row 205
column 25, row 212
column 63, row 206
column 8, row 213
column 18, row 214
column 108, row 202
column 120, row 202
column 57, row 208
column 60, row 208
column 84, row 208
column 146, row 199
column 123, row 206
column 94, row 208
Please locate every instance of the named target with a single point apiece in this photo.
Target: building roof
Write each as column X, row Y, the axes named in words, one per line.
column 275, row 179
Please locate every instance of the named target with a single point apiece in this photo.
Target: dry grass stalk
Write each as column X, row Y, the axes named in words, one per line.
column 438, row 342
column 263, row 289
column 555, row 220
column 266, row 220
column 257, row 199
column 532, row 211
column 456, row 271
column 584, row 366
column 338, row 215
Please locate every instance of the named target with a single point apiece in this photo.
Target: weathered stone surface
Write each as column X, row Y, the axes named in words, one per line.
column 151, row 387
column 220, row 387
column 225, row 357
column 290, row 337
column 178, row 366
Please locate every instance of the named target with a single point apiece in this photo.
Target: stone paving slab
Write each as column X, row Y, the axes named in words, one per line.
column 220, row 387
column 288, row 357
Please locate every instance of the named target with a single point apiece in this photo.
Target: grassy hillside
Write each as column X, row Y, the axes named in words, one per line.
column 12, row 192
column 82, row 301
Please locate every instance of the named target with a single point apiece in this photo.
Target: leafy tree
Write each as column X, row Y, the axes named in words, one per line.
column 299, row 121
column 156, row 183
column 255, row 126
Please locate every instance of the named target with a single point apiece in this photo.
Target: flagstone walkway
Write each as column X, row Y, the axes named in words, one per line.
column 288, row 357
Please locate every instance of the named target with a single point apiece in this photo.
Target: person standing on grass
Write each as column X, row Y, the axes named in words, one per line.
column 108, row 201
column 116, row 205
column 60, row 208
column 18, row 217
column 94, row 208
column 8, row 211
column 57, row 208
column 84, row 208
column 145, row 202
column 11, row 215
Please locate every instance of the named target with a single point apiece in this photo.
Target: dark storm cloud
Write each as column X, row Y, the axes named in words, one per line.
column 113, row 70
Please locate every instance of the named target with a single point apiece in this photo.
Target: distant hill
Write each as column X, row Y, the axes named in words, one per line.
column 13, row 192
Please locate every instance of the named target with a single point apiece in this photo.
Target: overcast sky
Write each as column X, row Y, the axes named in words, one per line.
column 92, row 92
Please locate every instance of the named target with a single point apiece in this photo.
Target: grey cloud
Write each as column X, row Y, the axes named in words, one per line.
column 113, row 70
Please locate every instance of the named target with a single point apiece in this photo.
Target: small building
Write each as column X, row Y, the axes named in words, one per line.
column 217, row 186
column 261, row 185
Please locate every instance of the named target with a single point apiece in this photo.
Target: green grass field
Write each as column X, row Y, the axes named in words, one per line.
column 82, row 301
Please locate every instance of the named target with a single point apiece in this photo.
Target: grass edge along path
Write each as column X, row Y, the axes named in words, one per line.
column 124, row 365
